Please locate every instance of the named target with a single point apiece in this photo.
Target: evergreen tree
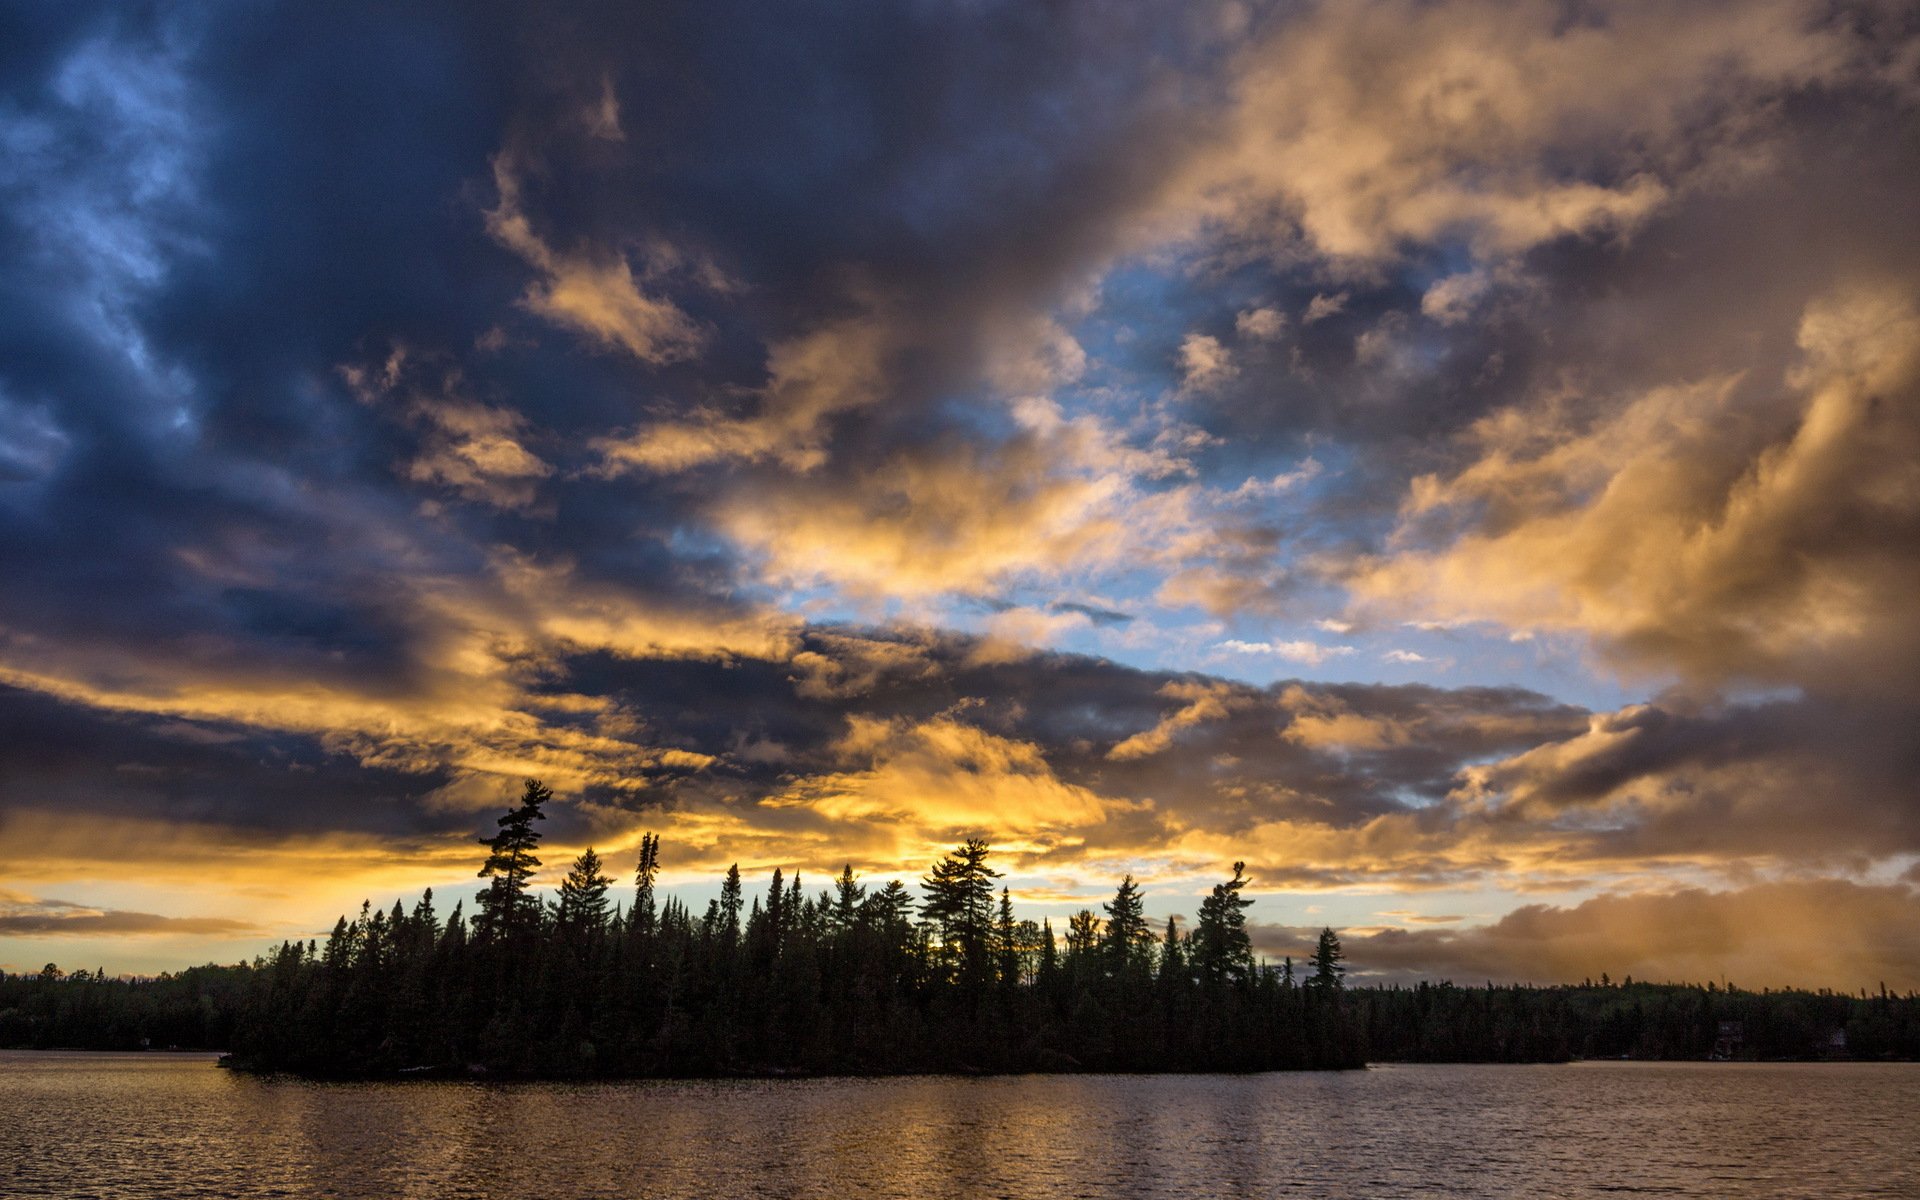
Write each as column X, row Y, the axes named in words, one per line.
column 507, row 904
column 848, row 895
column 644, row 875
column 959, row 901
column 1173, row 960
column 1221, row 949
column 776, row 907
column 583, row 895
column 394, row 991
column 1329, row 970
column 1006, row 941
column 1083, row 934
column 730, row 901
column 1127, row 940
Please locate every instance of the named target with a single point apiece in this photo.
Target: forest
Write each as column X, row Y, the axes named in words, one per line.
column 855, row 979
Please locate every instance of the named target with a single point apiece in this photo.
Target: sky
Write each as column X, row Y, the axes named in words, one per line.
column 1460, row 458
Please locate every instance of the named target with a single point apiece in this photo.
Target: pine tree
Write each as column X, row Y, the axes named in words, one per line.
column 729, row 912
column 507, row 904
column 644, row 875
column 1006, row 940
column 1127, row 939
column 847, row 897
column 1083, row 947
column 1221, row 949
column 1329, row 968
column 1173, row 960
column 959, row 901
column 583, row 896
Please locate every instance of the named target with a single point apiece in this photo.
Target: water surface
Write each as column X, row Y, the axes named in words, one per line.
column 111, row 1125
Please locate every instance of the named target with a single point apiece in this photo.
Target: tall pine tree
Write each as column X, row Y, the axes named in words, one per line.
column 507, row 904
column 1221, row 950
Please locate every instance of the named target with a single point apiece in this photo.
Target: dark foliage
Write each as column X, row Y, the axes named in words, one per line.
column 860, row 979
column 852, row 979
column 195, row 1009
column 1445, row 1023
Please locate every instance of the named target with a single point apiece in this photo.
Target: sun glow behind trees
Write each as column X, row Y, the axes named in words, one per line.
column 852, row 978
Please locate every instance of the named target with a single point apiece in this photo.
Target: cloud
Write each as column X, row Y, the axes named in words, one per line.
column 1204, row 362
column 603, row 116
column 1324, row 306
column 592, row 292
column 474, row 449
column 1096, row 613
column 1451, row 300
column 937, row 780
column 1203, row 702
column 1263, row 324
column 811, row 379
column 1505, row 126
column 58, row 918
column 1312, row 654
column 1693, row 527
column 1816, row 933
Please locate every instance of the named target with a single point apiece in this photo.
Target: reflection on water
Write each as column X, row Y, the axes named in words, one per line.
column 151, row 1125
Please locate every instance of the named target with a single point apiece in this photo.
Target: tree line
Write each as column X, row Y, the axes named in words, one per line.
column 854, row 978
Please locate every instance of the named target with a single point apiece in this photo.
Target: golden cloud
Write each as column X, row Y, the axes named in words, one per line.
column 1659, row 533
column 475, row 449
column 1809, row 933
column 928, row 782
column 1371, row 126
column 1202, row 702
column 811, row 378
column 595, row 294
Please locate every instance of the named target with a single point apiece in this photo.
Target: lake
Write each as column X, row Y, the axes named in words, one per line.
column 132, row 1125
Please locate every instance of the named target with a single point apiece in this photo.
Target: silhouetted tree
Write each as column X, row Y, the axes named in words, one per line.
column 959, row 902
column 848, row 895
column 806, row 987
column 1221, row 949
column 645, row 872
column 1128, row 941
column 506, row 903
column 730, row 901
column 583, row 896
column 1329, row 964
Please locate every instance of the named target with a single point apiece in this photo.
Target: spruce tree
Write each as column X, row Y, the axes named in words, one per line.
column 1127, row 940
column 847, row 898
column 1329, row 968
column 1006, row 940
column 1173, row 961
column 644, row 875
column 583, row 895
column 729, row 912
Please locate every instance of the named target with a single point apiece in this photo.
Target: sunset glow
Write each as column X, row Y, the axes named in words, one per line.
column 1460, row 458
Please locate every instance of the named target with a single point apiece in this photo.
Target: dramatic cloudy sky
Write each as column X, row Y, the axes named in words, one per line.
column 1461, row 457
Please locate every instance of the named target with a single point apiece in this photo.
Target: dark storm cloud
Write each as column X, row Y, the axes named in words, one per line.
column 394, row 403
column 221, row 218
column 72, row 759
column 1149, row 758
